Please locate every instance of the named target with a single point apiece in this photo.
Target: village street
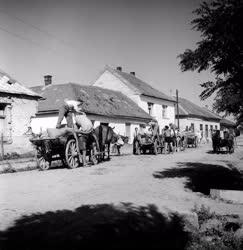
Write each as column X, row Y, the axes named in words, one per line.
column 167, row 181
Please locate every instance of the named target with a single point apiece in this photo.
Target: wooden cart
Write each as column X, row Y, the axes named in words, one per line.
column 64, row 148
column 147, row 143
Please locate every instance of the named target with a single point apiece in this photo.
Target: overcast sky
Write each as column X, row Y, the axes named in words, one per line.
column 73, row 41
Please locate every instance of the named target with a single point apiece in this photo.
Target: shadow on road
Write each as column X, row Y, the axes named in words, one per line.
column 202, row 177
column 218, row 152
column 97, row 226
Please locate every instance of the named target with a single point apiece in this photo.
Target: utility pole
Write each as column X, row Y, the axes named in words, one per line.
column 177, row 109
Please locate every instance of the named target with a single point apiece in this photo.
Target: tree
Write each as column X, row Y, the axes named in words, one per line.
column 220, row 51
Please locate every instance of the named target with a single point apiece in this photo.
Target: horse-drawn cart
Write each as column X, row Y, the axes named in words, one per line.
column 144, row 143
column 227, row 142
column 191, row 139
column 64, row 148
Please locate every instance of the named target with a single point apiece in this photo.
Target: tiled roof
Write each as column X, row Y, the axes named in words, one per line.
column 142, row 87
column 97, row 100
column 10, row 86
column 189, row 109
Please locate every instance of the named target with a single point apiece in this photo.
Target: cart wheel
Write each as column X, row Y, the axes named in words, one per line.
column 155, row 147
column 42, row 163
column 137, row 148
column 94, row 156
column 71, row 154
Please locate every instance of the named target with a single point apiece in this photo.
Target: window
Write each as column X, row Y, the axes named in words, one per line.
column 211, row 128
column 2, row 109
column 206, row 130
column 201, row 127
column 164, row 111
column 192, row 127
column 150, row 108
column 216, row 127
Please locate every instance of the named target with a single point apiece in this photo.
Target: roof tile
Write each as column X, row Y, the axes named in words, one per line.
column 96, row 100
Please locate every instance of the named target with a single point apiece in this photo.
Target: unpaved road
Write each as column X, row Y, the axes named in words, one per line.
column 125, row 178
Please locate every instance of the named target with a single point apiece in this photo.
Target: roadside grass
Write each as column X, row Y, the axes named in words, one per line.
column 215, row 232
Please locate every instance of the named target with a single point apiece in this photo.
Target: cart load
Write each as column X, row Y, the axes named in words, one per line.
column 63, row 144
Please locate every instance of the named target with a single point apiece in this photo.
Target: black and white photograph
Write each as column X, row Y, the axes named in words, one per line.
column 121, row 124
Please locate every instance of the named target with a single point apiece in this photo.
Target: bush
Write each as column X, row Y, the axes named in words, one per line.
column 212, row 233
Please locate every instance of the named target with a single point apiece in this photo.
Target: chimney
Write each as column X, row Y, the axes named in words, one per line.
column 48, row 80
column 119, row 68
column 132, row 73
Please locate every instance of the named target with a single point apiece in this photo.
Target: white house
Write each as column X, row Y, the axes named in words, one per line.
column 197, row 118
column 17, row 105
column 100, row 105
column 152, row 101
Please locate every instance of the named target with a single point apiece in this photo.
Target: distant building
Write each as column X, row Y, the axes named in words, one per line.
column 17, row 105
column 226, row 124
column 197, row 118
column 100, row 105
column 152, row 101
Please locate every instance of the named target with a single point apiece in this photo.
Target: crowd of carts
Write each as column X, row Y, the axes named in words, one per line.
column 148, row 143
column 66, row 149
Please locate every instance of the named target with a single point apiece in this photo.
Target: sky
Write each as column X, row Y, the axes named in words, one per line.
column 73, row 41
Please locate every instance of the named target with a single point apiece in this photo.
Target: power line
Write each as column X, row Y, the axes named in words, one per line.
column 26, row 39
column 36, row 28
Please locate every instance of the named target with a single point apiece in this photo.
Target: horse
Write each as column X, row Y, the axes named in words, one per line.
column 227, row 141
column 106, row 136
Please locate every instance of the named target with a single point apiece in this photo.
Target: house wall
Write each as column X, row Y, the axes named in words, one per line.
column 157, row 109
column 109, row 81
column 18, row 114
column 42, row 122
column 184, row 122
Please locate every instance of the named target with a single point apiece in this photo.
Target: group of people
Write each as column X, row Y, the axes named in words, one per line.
column 169, row 135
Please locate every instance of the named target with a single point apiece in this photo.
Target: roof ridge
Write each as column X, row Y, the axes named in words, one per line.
column 143, row 87
column 116, row 73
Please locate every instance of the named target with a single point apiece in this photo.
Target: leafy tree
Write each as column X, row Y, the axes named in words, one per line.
column 220, row 51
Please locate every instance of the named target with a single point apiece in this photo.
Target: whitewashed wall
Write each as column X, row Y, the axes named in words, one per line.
column 18, row 114
column 187, row 122
column 109, row 81
column 157, row 109
column 41, row 123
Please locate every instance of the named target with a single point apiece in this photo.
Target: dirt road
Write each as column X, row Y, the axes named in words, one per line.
column 175, row 182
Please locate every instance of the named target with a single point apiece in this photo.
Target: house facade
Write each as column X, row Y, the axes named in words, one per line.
column 192, row 116
column 100, row 105
column 17, row 105
column 152, row 101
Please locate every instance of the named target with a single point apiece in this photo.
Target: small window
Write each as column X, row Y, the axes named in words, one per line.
column 211, row 127
column 164, row 111
column 2, row 109
column 192, row 127
column 216, row 127
column 150, row 108
column 201, row 127
column 206, row 131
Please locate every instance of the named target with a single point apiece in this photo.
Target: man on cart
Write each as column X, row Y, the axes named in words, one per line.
column 79, row 124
